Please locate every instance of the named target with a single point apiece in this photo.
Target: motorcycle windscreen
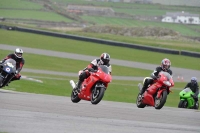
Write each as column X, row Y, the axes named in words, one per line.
column 168, row 77
column 186, row 93
column 186, row 90
column 9, row 65
column 106, row 76
column 166, row 74
column 104, row 69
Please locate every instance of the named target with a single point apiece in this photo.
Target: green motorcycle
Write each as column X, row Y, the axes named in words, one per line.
column 187, row 100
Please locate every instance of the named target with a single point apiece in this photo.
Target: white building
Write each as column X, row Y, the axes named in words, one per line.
column 181, row 17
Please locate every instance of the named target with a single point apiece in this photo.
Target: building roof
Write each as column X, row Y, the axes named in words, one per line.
column 175, row 14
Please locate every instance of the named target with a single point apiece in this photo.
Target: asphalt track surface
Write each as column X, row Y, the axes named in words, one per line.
column 36, row 113
column 186, row 74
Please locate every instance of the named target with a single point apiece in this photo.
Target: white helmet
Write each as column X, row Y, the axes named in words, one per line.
column 18, row 53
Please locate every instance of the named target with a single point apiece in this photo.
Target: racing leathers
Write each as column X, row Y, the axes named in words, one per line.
column 194, row 88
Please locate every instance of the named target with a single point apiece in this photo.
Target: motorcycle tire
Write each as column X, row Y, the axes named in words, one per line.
column 97, row 95
column 183, row 104
column 197, row 106
column 180, row 105
column 74, row 97
column 139, row 102
column 1, row 79
column 161, row 101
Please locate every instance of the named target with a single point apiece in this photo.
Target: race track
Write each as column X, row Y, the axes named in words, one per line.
column 36, row 113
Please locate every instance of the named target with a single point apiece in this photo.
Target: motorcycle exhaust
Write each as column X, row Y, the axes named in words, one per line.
column 72, row 84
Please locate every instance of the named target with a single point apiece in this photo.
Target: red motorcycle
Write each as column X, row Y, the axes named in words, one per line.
column 156, row 93
column 93, row 88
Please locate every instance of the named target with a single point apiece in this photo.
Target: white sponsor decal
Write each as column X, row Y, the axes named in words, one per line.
column 7, row 69
column 10, row 64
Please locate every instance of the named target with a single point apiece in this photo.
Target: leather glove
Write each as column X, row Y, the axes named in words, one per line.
column 192, row 95
column 16, row 72
column 91, row 70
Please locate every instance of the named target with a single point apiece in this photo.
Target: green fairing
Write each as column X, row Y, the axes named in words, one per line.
column 185, row 95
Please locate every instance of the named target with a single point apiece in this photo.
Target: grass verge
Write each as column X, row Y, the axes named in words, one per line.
column 94, row 49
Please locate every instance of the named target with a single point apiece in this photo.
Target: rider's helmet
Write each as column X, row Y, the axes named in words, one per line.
column 104, row 58
column 165, row 64
column 18, row 53
column 193, row 80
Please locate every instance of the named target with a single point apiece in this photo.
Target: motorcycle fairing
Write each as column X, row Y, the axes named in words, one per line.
column 185, row 95
column 100, row 78
column 149, row 93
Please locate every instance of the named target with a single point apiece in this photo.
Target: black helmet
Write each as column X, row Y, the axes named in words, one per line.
column 18, row 53
column 104, row 58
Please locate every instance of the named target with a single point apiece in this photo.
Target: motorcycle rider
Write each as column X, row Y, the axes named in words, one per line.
column 165, row 66
column 17, row 56
column 103, row 60
column 193, row 85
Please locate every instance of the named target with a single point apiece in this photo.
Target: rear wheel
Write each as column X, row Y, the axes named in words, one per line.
column 97, row 95
column 74, row 96
column 159, row 102
column 139, row 102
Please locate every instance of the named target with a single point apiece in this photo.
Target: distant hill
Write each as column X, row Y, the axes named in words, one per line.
column 178, row 2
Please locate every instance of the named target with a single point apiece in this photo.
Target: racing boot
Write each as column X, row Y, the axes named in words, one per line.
column 143, row 89
column 78, row 86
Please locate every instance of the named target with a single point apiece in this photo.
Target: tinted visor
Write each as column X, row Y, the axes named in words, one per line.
column 19, row 54
column 193, row 82
column 105, row 61
column 166, row 67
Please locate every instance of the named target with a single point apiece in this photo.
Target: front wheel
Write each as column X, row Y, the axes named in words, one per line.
column 182, row 104
column 1, row 80
column 96, row 95
column 159, row 102
column 74, row 96
column 139, row 102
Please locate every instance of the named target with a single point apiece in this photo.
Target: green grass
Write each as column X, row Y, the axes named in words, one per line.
column 37, row 15
column 182, row 29
column 20, row 4
column 87, row 48
column 153, row 41
column 33, row 61
column 128, row 8
column 130, row 5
